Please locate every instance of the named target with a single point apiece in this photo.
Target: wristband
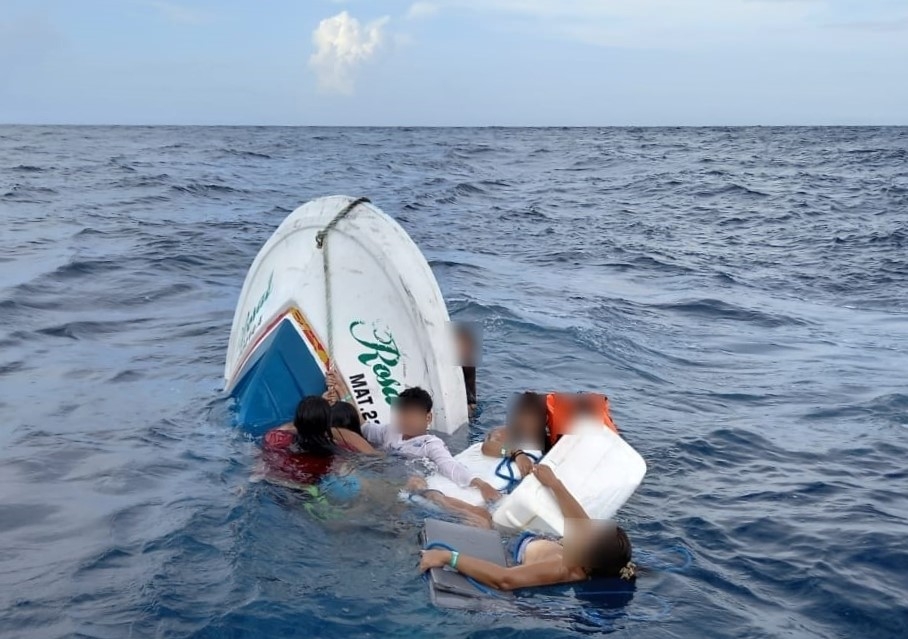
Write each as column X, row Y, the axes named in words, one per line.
column 348, row 398
column 454, row 556
column 516, row 454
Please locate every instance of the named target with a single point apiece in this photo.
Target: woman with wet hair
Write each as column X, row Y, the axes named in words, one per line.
column 303, row 450
column 589, row 549
column 346, row 428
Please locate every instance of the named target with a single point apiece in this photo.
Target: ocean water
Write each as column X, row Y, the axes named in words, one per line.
column 740, row 294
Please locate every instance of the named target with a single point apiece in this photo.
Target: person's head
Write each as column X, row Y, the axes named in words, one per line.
column 313, row 426
column 466, row 345
column 602, row 549
column 527, row 421
column 586, row 405
column 413, row 412
column 345, row 415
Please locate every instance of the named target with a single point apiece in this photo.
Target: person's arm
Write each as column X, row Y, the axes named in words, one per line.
column 570, row 507
column 495, row 445
column 353, row 441
column 438, row 452
column 374, row 433
column 543, row 573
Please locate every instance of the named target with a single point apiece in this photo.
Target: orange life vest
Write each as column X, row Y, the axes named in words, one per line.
column 563, row 408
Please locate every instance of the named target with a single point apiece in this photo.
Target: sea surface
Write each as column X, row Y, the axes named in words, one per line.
column 741, row 294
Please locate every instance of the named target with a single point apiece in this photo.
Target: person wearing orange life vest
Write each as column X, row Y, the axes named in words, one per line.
column 563, row 409
column 536, row 422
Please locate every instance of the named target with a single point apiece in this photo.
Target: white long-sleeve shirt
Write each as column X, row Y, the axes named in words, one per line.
column 424, row 446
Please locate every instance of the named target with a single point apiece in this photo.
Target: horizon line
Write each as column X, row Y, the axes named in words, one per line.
column 453, row 126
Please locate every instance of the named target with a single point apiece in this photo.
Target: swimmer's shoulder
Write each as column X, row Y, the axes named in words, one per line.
column 497, row 434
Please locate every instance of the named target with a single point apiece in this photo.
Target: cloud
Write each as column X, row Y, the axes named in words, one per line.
column 178, row 13
column 419, row 10
column 342, row 46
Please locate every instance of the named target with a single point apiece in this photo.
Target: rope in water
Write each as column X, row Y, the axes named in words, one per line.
column 321, row 243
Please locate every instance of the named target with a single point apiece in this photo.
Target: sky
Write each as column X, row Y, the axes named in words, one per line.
column 454, row 62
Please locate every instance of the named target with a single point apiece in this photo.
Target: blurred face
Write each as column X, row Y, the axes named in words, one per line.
column 585, row 407
column 465, row 348
column 524, row 427
column 412, row 421
column 581, row 535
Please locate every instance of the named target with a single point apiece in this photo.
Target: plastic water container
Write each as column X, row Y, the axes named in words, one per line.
column 597, row 467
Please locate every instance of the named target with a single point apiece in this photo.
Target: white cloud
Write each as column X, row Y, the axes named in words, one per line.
column 420, row 10
column 342, row 45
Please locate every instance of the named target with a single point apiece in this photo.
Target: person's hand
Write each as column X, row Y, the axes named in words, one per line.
column 331, row 395
column 434, row 559
column 488, row 493
column 334, row 380
column 524, row 464
column 546, row 476
column 416, row 484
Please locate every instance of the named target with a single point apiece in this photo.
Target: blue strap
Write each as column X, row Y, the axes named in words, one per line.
column 511, row 477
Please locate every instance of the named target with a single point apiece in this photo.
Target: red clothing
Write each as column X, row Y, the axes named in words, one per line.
column 278, row 438
column 282, row 462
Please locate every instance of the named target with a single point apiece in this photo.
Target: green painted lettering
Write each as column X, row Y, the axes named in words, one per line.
column 382, row 355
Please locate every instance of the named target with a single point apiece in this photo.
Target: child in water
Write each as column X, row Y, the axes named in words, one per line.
column 409, row 437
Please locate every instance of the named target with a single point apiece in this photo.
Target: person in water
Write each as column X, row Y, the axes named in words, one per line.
column 524, row 430
column 466, row 346
column 409, row 437
column 591, row 549
column 304, row 449
column 345, row 417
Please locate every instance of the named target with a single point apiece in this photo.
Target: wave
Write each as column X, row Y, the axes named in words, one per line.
column 196, row 188
column 12, row 367
column 897, row 238
column 882, row 154
column 243, row 153
column 730, row 189
column 456, row 264
column 468, row 188
column 28, row 193
column 719, row 310
column 83, row 268
column 87, row 329
column 890, row 409
column 480, row 149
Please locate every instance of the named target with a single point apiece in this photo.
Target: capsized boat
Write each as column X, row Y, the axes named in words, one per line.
column 341, row 283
